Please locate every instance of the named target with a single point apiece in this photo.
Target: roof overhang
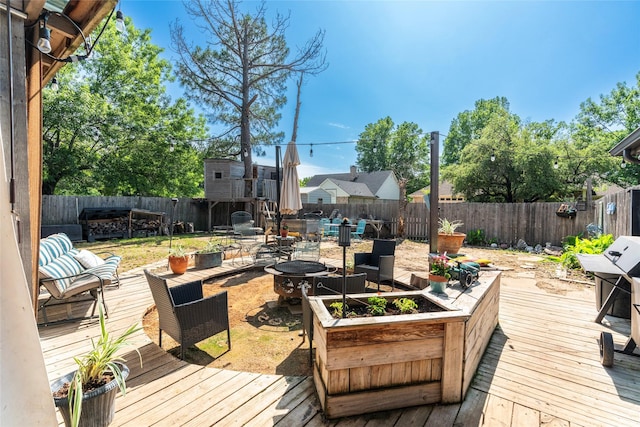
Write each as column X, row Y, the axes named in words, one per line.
column 65, row 38
column 629, row 147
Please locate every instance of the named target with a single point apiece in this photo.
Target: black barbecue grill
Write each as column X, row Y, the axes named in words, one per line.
column 621, row 260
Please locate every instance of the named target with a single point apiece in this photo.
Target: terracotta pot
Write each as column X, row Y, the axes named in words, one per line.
column 284, row 233
column 178, row 264
column 450, row 243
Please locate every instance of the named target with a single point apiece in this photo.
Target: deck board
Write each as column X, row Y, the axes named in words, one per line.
column 541, row 368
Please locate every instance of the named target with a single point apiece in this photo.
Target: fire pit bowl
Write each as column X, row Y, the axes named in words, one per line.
column 289, row 276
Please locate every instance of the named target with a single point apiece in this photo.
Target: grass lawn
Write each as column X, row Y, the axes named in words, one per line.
column 140, row 251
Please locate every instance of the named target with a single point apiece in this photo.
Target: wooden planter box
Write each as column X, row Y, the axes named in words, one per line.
column 372, row 364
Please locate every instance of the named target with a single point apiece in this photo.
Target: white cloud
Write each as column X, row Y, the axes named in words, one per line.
column 338, row 125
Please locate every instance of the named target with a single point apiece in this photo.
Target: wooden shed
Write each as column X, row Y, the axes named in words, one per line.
column 224, row 181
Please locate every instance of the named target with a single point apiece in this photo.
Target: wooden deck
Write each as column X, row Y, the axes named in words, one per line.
column 541, row 369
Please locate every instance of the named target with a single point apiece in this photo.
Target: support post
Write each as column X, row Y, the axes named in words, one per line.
column 278, row 190
column 434, row 192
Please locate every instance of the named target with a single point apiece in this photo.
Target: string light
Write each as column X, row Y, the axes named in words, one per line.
column 555, row 164
column 311, row 151
column 493, row 156
column 54, row 84
column 623, row 164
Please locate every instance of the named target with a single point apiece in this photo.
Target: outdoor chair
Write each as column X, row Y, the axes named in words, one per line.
column 378, row 264
column 242, row 223
column 306, row 250
column 332, row 285
column 185, row 314
column 67, row 273
column 324, row 228
column 359, row 231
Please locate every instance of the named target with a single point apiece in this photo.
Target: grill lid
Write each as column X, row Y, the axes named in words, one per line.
column 624, row 253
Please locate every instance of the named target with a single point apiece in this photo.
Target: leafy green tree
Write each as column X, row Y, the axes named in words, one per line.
column 240, row 74
column 402, row 149
column 507, row 163
column 600, row 125
column 468, row 126
column 112, row 130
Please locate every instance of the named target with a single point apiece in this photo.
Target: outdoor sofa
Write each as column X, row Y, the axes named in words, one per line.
column 66, row 272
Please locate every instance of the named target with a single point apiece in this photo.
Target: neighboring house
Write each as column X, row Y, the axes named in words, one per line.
column 358, row 186
column 445, row 194
column 347, row 191
column 315, row 195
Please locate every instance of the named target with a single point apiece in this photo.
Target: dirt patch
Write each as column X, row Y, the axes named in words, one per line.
column 266, row 337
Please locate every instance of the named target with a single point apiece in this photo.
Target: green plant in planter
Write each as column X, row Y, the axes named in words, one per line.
column 405, row 305
column 177, row 251
column 93, row 366
column 377, row 306
column 439, row 266
column 212, row 247
column 337, row 309
column 448, row 227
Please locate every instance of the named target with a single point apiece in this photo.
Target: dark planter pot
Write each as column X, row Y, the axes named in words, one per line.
column 208, row 260
column 178, row 264
column 98, row 406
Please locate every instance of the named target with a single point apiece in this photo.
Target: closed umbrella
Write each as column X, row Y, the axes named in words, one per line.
column 290, row 202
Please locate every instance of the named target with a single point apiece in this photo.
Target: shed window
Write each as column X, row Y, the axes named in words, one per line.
column 218, row 175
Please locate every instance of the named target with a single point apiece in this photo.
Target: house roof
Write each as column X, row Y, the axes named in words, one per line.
column 445, row 189
column 631, row 143
column 306, row 190
column 357, row 189
column 373, row 180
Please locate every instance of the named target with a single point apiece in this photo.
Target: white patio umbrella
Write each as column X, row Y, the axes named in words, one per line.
column 290, row 202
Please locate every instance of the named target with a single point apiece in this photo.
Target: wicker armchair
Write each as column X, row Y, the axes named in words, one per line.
column 378, row 265
column 185, row 315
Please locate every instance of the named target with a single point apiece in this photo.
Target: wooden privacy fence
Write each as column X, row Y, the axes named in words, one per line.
column 535, row 223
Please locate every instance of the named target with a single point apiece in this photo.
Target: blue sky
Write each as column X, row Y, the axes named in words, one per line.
column 425, row 62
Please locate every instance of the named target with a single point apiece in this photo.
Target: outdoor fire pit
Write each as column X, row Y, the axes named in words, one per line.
column 289, row 275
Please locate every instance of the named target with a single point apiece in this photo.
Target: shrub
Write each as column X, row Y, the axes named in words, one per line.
column 575, row 245
column 476, row 237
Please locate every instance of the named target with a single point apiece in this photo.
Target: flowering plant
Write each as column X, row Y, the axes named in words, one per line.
column 439, row 266
column 284, row 226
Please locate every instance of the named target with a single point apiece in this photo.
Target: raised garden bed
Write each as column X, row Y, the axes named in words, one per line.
column 369, row 364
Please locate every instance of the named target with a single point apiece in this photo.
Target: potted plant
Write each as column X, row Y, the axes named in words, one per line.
column 284, row 229
column 449, row 241
column 178, row 260
column 86, row 397
column 210, row 256
column 439, row 273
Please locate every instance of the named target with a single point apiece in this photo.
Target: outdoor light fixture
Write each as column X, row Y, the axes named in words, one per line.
column 493, row 156
column 44, row 42
column 555, row 164
column 54, row 84
column 344, row 240
column 120, row 21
